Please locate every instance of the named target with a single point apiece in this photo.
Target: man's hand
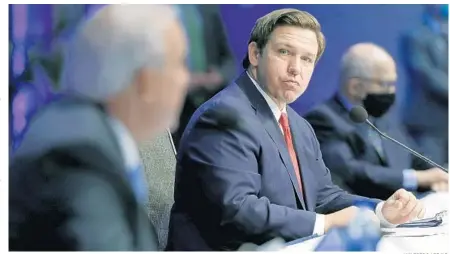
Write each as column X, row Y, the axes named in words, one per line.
column 402, row 207
column 440, row 187
column 428, row 178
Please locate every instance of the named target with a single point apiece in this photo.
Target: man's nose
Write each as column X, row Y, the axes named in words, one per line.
column 295, row 68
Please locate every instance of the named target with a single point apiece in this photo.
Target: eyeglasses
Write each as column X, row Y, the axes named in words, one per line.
column 381, row 83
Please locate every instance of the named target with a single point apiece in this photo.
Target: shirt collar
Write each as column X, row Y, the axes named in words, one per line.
column 128, row 147
column 348, row 105
column 272, row 105
column 345, row 102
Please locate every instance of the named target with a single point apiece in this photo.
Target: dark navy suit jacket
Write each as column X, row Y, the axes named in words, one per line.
column 235, row 182
column 353, row 160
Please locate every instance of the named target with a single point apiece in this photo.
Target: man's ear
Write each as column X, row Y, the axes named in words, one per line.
column 141, row 85
column 354, row 87
column 253, row 53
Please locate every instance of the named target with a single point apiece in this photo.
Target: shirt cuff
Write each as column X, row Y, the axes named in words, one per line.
column 319, row 225
column 383, row 222
column 410, row 179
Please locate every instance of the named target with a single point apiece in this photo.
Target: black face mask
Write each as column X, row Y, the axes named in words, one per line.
column 378, row 104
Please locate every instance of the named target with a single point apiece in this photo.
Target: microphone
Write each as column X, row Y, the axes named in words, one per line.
column 359, row 115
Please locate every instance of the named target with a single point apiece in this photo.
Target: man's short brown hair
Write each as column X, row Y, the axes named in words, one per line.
column 265, row 25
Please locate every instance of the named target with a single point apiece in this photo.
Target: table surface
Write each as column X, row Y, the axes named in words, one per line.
column 438, row 243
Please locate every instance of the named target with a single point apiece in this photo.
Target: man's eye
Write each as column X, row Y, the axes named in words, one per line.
column 307, row 59
column 283, row 51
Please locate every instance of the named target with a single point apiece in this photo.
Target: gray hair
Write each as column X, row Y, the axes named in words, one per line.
column 109, row 48
column 354, row 66
column 360, row 61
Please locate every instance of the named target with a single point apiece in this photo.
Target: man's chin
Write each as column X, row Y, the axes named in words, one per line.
column 292, row 99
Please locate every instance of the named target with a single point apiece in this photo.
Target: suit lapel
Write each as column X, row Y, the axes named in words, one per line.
column 362, row 129
column 305, row 171
column 271, row 126
column 390, row 149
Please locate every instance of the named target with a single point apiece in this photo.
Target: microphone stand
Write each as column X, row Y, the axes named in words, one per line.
column 405, row 147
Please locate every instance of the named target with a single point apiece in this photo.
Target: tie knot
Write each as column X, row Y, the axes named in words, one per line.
column 284, row 120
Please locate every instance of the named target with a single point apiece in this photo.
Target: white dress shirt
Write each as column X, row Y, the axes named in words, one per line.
column 127, row 145
column 132, row 161
column 319, row 225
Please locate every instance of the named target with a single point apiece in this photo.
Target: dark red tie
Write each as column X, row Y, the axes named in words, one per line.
column 284, row 122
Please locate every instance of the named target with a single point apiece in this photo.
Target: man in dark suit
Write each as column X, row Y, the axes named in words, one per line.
column 211, row 62
column 249, row 167
column 359, row 159
column 76, row 181
column 425, row 107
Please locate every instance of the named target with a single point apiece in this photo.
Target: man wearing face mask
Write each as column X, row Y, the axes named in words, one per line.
column 359, row 159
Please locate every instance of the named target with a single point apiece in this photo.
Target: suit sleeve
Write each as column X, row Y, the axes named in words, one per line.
column 338, row 153
column 97, row 220
column 226, row 161
column 330, row 197
column 435, row 81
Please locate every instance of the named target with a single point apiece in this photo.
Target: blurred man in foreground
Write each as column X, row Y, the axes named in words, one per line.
column 249, row 167
column 358, row 158
column 76, row 182
column 425, row 107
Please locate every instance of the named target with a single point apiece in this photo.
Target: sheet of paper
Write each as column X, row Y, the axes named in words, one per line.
column 401, row 232
column 435, row 203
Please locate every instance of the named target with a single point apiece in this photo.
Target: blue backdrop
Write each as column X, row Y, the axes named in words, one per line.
column 343, row 25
